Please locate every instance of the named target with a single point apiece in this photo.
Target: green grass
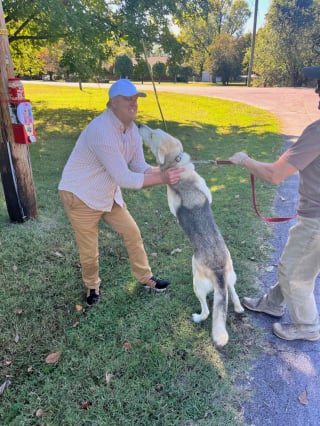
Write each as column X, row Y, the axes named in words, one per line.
column 172, row 375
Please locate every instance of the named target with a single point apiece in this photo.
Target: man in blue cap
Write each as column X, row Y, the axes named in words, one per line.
column 300, row 261
column 109, row 156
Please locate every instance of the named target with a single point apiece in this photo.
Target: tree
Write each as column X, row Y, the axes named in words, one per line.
column 40, row 23
column 141, row 70
column 225, row 59
column 185, row 73
column 50, row 57
column 288, row 41
column 27, row 62
column 43, row 21
column 173, row 71
column 123, row 66
column 159, row 71
column 200, row 28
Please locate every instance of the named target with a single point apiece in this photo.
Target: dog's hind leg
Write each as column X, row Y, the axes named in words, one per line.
column 231, row 279
column 201, row 287
column 219, row 315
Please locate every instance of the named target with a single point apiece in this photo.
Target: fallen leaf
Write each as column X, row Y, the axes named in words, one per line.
column 78, row 308
column 85, row 405
column 237, row 196
column 153, row 254
column 16, row 338
column 14, row 268
column 39, row 412
column 76, row 324
column 177, row 250
column 303, row 398
column 58, row 254
column 19, row 311
column 29, row 369
column 8, row 362
column 53, row 358
column 127, row 346
column 4, row 386
column 109, row 376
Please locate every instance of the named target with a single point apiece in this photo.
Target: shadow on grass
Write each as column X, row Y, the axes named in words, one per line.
column 136, row 357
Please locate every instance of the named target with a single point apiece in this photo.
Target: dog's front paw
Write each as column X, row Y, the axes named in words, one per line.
column 239, row 310
column 197, row 318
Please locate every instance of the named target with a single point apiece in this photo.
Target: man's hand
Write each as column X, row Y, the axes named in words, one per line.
column 238, row 158
column 172, row 175
column 154, row 176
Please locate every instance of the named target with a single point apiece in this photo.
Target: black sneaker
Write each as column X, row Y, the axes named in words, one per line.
column 93, row 298
column 156, row 284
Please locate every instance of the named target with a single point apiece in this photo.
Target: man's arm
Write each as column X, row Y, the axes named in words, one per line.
column 271, row 172
column 154, row 176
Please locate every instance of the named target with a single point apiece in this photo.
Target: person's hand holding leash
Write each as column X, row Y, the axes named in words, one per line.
column 238, row 158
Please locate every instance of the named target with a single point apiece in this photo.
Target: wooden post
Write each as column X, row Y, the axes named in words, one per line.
column 15, row 165
column 253, row 41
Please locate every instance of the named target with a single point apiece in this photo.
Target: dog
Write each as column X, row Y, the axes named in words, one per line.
column 189, row 200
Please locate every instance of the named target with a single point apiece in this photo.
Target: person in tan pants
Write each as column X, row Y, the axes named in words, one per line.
column 300, row 261
column 108, row 156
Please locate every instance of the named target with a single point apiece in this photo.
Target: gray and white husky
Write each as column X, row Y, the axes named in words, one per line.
column 189, row 200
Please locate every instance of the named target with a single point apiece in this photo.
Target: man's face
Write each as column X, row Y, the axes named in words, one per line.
column 125, row 108
column 318, row 91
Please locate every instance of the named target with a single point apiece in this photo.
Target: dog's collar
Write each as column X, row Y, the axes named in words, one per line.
column 179, row 157
column 183, row 159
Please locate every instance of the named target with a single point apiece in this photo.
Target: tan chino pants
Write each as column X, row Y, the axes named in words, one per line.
column 298, row 269
column 85, row 223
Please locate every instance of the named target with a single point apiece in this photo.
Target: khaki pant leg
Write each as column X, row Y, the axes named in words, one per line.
column 121, row 221
column 275, row 296
column 84, row 222
column 298, row 268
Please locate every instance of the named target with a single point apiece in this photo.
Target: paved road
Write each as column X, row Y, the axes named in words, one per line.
column 296, row 107
column 285, row 380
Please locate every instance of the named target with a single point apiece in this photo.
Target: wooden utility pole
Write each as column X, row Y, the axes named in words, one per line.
column 15, row 165
column 253, row 42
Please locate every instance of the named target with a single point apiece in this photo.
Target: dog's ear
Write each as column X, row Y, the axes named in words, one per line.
column 161, row 156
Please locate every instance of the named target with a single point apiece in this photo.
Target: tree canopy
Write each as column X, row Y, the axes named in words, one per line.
column 83, row 37
column 288, row 41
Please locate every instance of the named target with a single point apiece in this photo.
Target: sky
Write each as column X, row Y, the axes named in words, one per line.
column 263, row 7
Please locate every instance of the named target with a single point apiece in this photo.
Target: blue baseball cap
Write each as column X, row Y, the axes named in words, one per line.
column 124, row 87
column 312, row 72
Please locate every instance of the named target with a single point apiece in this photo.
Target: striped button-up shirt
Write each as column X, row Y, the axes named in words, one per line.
column 103, row 160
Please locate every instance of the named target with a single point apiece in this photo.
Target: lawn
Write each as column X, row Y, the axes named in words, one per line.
column 136, row 358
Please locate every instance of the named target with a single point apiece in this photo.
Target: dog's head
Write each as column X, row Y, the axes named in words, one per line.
column 167, row 149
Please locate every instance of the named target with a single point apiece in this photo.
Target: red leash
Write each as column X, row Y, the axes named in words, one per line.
column 266, row 219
